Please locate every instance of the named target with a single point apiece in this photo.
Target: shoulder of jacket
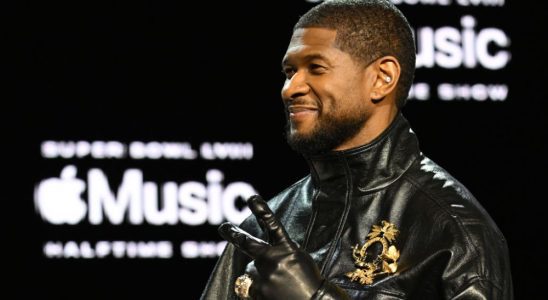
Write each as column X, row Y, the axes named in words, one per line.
column 288, row 193
column 276, row 203
column 451, row 199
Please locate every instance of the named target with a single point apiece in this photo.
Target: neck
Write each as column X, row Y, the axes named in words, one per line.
column 368, row 166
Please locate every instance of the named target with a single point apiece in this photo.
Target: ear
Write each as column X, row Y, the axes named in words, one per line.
column 387, row 69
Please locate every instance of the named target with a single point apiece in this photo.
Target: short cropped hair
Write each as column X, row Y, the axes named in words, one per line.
column 368, row 30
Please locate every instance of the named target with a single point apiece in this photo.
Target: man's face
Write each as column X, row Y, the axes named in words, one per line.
column 325, row 92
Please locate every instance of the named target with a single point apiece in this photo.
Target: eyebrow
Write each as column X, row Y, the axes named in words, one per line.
column 308, row 58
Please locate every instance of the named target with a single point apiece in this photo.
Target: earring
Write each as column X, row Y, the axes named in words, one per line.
column 388, row 79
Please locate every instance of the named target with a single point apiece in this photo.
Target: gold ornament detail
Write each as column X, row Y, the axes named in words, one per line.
column 385, row 263
column 241, row 286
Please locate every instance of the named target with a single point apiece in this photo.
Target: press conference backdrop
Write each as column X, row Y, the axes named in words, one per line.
column 152, row 122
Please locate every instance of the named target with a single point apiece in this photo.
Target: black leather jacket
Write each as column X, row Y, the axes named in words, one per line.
column 449, row 246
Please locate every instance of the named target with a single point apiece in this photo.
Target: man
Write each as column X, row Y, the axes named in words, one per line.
column 375, row 219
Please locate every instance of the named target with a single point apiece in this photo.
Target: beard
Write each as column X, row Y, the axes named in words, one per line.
column 330, row 131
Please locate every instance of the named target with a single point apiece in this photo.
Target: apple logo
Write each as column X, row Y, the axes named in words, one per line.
column 58, row 199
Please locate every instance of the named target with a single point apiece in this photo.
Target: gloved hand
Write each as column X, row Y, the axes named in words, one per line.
column 282, row 270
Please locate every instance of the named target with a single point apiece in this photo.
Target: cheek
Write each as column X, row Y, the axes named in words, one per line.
column 339, row 94
column 348, row 100
column 331, row 94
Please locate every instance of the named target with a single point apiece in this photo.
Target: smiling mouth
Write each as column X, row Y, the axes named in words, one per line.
column 298, row 109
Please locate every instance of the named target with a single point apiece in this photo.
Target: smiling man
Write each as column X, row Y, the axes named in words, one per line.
column 332, row 101
column 375, row 218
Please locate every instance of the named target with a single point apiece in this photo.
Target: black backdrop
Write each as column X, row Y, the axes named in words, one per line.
column 210, row 71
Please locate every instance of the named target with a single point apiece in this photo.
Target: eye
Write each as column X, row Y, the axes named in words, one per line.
column 288, row 72
column 317, row 69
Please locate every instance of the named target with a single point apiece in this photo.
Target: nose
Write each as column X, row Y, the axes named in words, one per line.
column 295, row 87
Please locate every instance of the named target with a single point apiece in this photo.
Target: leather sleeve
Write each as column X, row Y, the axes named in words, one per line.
column 483, row 289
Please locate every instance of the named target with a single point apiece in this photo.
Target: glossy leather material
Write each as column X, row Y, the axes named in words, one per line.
column 450, row 247
column 280, row 269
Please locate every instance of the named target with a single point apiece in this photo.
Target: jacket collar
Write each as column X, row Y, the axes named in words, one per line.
column 369, row 167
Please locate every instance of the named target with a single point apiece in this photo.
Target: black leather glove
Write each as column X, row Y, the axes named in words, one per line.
column 281, row 269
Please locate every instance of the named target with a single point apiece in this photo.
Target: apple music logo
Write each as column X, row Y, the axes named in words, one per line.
column 75, row 195
column 59, row 200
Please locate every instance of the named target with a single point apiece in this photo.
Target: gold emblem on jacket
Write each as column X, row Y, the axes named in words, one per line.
column 384, row 263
